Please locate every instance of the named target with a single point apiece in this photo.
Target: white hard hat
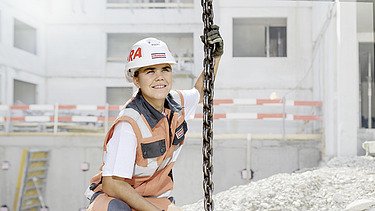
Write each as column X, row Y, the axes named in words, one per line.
column 146, row 52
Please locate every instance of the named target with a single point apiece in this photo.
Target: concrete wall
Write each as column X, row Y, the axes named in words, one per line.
column 66, row 182
column 348, row 95
column 336, row 64
column 83, row 27
column 72, row 48
column 16, row 63
column 262, row 76
column 11, row 56
column 7, row 77
column 82, row 90
column 71, row 67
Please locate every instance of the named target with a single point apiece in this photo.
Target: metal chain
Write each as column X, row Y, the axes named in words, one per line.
column 208, row 64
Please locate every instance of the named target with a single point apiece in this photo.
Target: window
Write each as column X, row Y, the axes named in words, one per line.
column 24, row 37
column 118, row 95
column 259, row 37
column 24, row 92
column 367, row 85
column 180, row 44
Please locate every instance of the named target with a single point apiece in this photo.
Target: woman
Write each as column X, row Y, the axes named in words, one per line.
column 145, row 140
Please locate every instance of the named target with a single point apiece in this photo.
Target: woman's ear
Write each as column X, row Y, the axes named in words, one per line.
column 136, row 81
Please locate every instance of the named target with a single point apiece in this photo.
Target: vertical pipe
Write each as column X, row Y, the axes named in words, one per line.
column 4, row 185
column 106, row 117
column 369, row 92
column 7, row 121
column 6, row 180
column 267, row 41
column 279, row 42
column 6, row 88
column 248, row 156
column 338, row 19
column 336, row 143
column 284, row 116
column 56, row 119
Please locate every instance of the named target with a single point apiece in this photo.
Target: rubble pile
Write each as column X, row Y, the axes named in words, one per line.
column 343, row 183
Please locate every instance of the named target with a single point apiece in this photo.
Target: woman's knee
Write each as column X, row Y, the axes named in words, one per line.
column 118, row 205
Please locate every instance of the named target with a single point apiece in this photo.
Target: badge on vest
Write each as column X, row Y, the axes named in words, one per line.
column 180, row 133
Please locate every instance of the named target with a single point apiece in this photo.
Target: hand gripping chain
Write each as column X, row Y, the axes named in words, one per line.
column 208, row 64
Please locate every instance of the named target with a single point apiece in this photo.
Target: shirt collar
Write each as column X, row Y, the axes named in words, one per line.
column 153, row 116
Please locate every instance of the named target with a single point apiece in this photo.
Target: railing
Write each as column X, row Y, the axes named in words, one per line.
column 157, row 4
column 264, row 116
column 97, row 119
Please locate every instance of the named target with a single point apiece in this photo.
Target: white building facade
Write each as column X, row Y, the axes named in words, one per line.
column 73, row 52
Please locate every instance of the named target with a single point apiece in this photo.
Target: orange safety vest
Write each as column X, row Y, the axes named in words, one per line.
column 159, row 141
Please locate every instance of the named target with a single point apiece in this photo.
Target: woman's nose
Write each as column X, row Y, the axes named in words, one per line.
column 159, row 75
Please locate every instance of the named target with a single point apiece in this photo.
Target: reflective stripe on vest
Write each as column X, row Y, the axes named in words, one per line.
column 129, row 112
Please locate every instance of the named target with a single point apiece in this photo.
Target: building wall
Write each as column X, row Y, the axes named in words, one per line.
column 87, row 90
column 336, row 73
column 257, row 75
column 66, row 182
column 16, row 63
column 71, row 68
column 348, row 70
column 84, row 28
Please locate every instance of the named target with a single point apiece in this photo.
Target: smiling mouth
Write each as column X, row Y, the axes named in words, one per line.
column 159, row 86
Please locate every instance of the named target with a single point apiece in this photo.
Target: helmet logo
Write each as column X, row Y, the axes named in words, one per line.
column 132, row 55
column 158, row 56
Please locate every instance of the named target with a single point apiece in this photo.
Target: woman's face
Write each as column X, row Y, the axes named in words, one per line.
column 155, row 82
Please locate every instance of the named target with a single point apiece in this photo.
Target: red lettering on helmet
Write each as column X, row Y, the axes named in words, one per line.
column 130, row 57
column 138, row 53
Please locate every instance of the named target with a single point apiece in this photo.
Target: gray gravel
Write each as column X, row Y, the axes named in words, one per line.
column 343, row 183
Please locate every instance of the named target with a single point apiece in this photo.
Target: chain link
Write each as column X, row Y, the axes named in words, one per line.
column 208, row 63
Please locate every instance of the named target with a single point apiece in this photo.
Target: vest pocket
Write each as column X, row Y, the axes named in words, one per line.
column 154, row 149
column 180, row 133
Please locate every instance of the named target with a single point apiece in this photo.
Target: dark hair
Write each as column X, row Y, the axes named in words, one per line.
column 136, row 73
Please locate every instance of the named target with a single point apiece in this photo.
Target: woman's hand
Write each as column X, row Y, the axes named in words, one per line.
column 214, row 38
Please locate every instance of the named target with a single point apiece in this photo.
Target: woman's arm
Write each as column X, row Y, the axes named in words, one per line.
column 213, row 38
column 118, row 188
column 199, row 83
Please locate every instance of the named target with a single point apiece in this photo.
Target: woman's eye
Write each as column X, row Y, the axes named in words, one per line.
column 150, row 72
column 166, row 70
